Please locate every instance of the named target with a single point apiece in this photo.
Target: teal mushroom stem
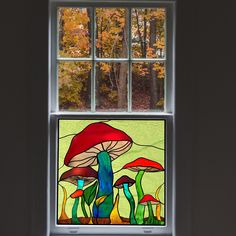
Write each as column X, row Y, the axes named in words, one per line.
column 105, row 184
column 125, row 182
column 131, row 203
column 75, row 219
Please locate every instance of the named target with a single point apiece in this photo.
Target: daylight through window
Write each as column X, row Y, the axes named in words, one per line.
column 111, row 59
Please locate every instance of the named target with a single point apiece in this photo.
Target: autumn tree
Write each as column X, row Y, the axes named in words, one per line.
column 122, row 80
column 148, row 41
column 111, row 42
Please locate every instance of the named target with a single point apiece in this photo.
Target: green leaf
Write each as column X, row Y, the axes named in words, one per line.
column 90, row 192
column 83, row 206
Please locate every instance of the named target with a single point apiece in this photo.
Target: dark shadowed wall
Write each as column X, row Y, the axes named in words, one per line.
column 205, row 105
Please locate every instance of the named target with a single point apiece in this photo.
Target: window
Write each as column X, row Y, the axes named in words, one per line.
column 111, row 116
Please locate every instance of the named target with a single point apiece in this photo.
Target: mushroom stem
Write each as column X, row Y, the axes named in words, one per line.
column 75, row 219
column 131, row 203
column 151, row 219
column 105, row 186
column 80, row 184
column 140, row 208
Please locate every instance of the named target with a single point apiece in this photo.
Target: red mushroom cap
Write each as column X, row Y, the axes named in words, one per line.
column 93, row 139
column 144, row 164
column 148, row 198
column 88, row 174
column 124, row 180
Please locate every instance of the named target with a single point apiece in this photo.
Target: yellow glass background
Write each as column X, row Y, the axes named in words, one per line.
column 146, row 132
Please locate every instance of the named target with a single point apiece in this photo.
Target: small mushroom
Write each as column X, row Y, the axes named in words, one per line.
column 79, row 176
column 99, row 143
column 125, row 182
column 149, row 200
column 142, row 165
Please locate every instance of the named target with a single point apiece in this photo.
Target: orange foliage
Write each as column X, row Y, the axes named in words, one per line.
column 111, row 42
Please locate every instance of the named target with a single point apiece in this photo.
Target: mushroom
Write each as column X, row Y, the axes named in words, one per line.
column 79, row 176
column 149, row 200
column 142, row 165
column 99, row 143
column 125, row 182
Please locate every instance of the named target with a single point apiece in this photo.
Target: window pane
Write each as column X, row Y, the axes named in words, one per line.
column 111, row 84
column 74, row 32
column 111, row 32
column 148, row 86
column 148, row 32
column 74, row 85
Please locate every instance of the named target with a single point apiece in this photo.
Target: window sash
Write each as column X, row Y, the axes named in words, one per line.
column 111, row 229
column 168, row 60
column 54, row 114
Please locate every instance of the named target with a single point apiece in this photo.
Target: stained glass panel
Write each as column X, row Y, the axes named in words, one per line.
column 111, row 172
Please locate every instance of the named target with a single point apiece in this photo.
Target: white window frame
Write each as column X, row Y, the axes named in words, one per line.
column 168, row 115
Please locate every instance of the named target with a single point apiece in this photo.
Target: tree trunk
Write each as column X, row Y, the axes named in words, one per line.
column 144, row 53
column 61, row 31
column 88, row 101
column 89, row 30
column 122, row 81
column 153, row 73
column 122, row 87
column 98, row 71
